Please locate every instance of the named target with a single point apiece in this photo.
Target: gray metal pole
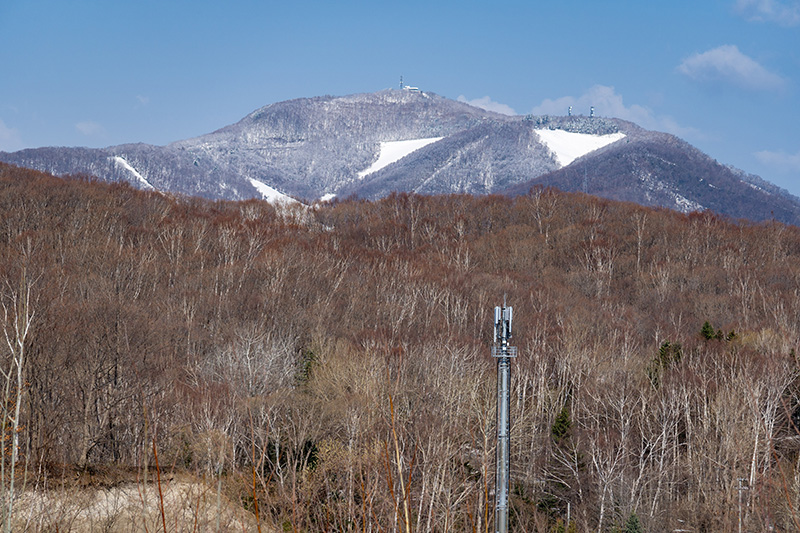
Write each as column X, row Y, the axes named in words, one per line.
column 740, row 489
column 503, row 352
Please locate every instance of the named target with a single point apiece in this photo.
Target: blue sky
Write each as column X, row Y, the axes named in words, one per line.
column 722, row 74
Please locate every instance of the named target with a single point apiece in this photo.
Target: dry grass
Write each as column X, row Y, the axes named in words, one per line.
column 188, row 506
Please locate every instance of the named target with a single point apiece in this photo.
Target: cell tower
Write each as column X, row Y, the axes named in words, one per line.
column 591, row 112
column 569, row 111
column 503, row 352
column 401, row 83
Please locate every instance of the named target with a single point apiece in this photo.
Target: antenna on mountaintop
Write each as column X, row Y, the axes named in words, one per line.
column 401, row 82
column 503, row 352
column 591, row 112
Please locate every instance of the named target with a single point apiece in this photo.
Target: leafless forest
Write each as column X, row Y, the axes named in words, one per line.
column 328, row 369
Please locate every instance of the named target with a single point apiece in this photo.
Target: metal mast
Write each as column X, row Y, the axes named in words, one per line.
column 503, row 352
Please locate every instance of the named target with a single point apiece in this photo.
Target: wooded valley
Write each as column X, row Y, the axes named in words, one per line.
column 329, row 368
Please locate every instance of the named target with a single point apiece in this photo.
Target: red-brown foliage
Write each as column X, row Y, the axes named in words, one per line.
column 240, row 334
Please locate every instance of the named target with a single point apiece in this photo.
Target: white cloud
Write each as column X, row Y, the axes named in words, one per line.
column 90, row 129
column 782, row 13
column 780, row 161
column 10, row 140
column 728, row 65
column 143, row 100
column 608, row 103
column 488, row 104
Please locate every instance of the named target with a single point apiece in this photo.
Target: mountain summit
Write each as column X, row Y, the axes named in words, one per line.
column 373, row 144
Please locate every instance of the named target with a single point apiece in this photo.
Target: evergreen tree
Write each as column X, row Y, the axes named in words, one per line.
column 707, row 331
column 633, row 525
column 561, row 424
column 668, row 354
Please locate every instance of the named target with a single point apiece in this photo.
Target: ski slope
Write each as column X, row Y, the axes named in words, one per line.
column 568, row 146
column 392, row 151
column 121, row 162
column 271, row 195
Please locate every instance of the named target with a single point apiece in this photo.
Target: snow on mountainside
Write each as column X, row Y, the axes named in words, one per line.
column 392, row 151
column 271, row 195
column 373, row 144
column 569, row 146
column 120, row 161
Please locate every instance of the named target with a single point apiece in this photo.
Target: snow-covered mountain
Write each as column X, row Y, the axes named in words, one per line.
column 373, row 144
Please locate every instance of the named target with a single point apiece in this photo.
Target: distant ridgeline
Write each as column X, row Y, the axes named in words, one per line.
column 326, row 147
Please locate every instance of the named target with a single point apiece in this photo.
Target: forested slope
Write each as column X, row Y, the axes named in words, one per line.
column 332, row 366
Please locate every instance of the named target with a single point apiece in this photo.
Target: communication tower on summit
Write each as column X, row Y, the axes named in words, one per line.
column 569, row 111
column 503, row 352
column 591, row 112
column 409, row 88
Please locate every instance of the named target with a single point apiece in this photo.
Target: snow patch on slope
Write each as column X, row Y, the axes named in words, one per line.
column 120, row 162
column 271, row 195
column 392, row 151
column 568, row 146
column 684, row 205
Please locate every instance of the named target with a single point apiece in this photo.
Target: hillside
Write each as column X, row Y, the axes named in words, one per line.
column 305, row 364
column 662, row 170
column 375, row 144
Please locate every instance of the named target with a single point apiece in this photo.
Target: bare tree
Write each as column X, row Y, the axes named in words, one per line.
column 18, row 316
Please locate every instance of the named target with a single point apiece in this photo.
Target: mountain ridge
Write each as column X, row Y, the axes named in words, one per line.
column 318, row 147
